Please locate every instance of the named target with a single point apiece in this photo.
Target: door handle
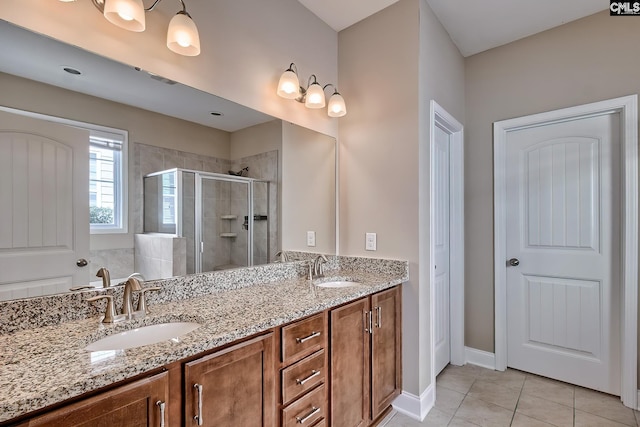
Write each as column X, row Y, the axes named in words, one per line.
column 82, row 262
column 514, row 262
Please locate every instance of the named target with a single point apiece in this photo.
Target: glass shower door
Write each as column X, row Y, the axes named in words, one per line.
column 223, row 239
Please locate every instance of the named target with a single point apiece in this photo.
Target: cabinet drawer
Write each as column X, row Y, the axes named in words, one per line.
column 306, row 410
column 303, row 376
column 303, row 337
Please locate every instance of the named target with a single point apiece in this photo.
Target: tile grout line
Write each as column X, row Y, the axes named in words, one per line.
column 475, row 378
column 513, row 416
column 574, row 406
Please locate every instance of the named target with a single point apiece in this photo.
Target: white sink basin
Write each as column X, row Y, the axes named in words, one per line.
column 143, row 336
column 338, row 284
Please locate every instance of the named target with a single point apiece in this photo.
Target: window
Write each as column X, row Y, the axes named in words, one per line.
column 169, row 198
column 107, row 212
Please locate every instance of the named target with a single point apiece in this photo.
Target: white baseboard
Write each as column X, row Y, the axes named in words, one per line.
column 480, row 358
column 416, row 407
column 638, row 408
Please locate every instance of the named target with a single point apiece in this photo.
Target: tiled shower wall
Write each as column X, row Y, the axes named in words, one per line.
column 263, row 166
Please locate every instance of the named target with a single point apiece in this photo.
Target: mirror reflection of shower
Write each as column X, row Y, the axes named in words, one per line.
column 224, row 219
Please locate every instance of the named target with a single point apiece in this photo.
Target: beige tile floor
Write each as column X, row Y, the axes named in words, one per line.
column 468, row 396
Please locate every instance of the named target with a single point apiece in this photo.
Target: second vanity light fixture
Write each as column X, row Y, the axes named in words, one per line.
column 182, row 35
column 313, row 96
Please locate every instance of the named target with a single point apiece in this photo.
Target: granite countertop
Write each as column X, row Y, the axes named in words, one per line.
column 49, row 364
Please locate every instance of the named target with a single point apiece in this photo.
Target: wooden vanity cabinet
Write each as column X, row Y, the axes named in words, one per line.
column 365, row 347
column 232, row 387
column 142, row 403
column 303, row 371
column 338, row 368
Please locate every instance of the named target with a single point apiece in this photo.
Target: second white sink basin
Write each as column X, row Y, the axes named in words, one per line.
column 143, row 336
column 338, row 284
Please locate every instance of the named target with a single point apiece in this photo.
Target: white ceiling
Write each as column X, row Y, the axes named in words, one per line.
column 474, row 25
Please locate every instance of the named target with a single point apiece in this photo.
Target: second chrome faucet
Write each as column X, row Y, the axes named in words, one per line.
column 131, row 285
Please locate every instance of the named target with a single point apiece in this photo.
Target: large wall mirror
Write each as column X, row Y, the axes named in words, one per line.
column 210, row 184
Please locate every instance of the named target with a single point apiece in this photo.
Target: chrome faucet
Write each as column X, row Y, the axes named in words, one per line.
column 106, row 278
column 132, row 284
column 316, row 267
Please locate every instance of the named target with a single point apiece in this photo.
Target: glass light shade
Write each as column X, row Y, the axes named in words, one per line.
column 314, row 97
column 127, row 14
column 289, row 85
column 182, row 35
column 337, row 107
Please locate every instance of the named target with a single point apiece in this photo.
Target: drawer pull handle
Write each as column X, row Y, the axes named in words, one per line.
column 307, row 338
column 161, row 405
column 314, row 411
column 314, row 374
column 198, row 417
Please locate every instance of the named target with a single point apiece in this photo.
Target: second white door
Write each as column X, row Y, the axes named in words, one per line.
column 441, row 245
column 563, row 270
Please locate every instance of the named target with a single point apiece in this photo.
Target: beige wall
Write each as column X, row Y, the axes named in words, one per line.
column 143, row 127
column 441, row 79
column 308, row 189
column 392, row 64
column 583, row 61
column 246, row 45
column 256, row 139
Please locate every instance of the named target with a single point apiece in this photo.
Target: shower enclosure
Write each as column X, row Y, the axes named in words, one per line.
column 224, row 218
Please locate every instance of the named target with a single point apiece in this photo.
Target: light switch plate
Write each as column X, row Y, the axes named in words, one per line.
column 370, row 242
column 311, row 238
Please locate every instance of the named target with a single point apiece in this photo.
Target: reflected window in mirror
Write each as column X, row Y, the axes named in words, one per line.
column 107, row 177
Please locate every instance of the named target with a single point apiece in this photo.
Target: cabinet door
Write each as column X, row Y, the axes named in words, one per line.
column 232, row 387
column 386, row 355
column 139, row 404
column 350, row 364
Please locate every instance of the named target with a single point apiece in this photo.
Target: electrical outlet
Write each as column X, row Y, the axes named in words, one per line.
column 370, row 242
column 311, row 238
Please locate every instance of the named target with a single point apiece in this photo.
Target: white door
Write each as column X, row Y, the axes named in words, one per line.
column 441, row 247
column 44, row 206
column 563, row 234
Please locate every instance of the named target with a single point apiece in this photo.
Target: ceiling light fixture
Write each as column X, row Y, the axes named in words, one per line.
column 313, row 96
column 182, row 34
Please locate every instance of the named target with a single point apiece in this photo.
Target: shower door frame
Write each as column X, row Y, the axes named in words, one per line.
column 199, row 176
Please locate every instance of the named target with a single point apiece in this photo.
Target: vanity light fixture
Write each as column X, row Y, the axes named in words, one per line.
column 182, row 34
column 313, row 96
